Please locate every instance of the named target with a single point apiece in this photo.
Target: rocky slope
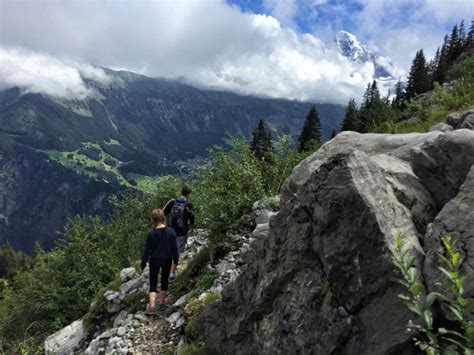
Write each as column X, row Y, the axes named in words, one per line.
column 315, row 276
column 320, row 280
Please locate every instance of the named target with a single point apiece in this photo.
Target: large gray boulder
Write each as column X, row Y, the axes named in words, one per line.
column 457, row 220
column 67, row 340
column 442, row 164
column 321, row 281
column 396, row 145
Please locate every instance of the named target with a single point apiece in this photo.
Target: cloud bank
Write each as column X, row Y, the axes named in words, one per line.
column 41, row 73
column 207, row 43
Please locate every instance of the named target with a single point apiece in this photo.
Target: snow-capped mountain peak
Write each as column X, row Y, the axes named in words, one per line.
column 350, row 46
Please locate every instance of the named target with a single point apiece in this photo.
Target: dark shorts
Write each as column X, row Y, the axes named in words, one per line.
column 155, row 266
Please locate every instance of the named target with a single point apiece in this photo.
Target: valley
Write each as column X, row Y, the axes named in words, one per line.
column 129, row 132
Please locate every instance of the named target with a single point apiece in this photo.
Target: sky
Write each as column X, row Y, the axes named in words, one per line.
column 274, row 48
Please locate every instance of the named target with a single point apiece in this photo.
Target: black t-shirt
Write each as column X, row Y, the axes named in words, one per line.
column 160, row 244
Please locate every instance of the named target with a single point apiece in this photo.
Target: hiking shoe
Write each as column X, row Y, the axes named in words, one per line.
column 172, row 278
column 150, row 310
column 161, row 307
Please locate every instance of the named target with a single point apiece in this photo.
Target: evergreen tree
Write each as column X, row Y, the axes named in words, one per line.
column 455, row 45
column 333, row 134
column 261, row 143
column 375, row 110
column 469, row 43
column 11, row 261
column 311, row 134
column 398, row 100
column 419, row 80
column 440, row 73
column 351, row 120
column 462, row 35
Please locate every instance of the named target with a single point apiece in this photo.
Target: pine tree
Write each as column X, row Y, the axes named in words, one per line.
column 375, row 111
column 456, row 45
column 441, row 72
column 351, row 120
column 462, row 36
column 419, row 80
column 469, row 45
column 261, row 143
column 398, row 100
column 310, row 136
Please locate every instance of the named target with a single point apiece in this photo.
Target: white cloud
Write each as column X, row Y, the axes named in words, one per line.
column 41, row 73
column 449, row 9
column 210, row 44
column 283, row 10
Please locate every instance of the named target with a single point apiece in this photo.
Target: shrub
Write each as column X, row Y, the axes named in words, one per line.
column 436, row 340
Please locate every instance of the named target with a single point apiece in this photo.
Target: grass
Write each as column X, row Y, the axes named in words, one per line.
column 79, row 162
column 189, row 277
column 112, row 141
column 434, row 117
column 195, row 348
column 145, row 183
column 424, row 126
column 76, row 161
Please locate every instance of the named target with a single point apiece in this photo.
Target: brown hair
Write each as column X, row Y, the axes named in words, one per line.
column 158, row 216
column 186, row 191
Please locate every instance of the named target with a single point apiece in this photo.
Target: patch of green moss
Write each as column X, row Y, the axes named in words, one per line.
column 194, row 308
column 188, row 278
column 195, row 348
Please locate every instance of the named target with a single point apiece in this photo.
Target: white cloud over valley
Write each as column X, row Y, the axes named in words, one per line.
column 207, row 43
column 41, row 73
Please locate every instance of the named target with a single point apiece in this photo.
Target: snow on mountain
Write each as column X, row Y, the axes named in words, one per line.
column 384, row 71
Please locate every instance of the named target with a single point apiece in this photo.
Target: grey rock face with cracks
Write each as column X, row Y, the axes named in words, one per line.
column 320, row 280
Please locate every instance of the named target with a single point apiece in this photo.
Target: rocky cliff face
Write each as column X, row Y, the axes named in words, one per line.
column 319, row 281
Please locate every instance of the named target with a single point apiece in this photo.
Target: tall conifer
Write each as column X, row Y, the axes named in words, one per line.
column 311, row 134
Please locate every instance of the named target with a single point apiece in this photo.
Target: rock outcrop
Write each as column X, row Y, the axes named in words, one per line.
column 319, row 280
column 66, row 340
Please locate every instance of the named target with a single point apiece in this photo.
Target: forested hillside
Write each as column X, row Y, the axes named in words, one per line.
column 131, row 131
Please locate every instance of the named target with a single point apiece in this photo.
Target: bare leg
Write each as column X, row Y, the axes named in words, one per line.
column 163, row 296
column 173, row 267
column 152, row 296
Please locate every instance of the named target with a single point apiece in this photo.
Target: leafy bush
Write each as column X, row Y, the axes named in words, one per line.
column 60, row 285
column 224, row 195
column 430, row 339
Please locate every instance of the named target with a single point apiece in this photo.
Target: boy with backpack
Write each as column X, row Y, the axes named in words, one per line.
column 181, row 219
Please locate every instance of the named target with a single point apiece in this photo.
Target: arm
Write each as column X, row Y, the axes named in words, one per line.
column 174, row 246
column 146, row 252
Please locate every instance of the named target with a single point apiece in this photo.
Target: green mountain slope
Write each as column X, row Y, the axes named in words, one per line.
column 126, row 133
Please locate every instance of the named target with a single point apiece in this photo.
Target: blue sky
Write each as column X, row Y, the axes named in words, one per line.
column 324, row 17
